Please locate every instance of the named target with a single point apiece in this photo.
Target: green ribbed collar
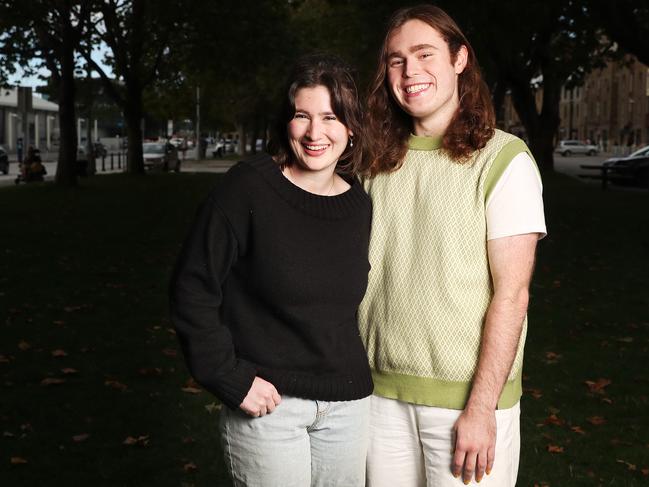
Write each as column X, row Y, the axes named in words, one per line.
column 421, row 142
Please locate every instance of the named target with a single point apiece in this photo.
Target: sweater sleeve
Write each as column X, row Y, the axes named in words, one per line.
column 209, row 252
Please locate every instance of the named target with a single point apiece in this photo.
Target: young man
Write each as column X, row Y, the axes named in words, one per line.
column 457, row 214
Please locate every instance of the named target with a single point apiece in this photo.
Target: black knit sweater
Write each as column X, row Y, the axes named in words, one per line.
column 268, row 284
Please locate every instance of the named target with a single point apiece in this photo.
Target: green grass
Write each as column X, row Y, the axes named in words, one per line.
column 86, row 271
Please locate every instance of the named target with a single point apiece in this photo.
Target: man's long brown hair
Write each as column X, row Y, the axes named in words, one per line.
column 388, row 126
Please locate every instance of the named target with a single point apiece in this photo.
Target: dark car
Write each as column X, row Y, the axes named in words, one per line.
column 4, row 161
column 633, row 169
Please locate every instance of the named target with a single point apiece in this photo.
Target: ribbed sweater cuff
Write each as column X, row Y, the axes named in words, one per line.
column 233, row 387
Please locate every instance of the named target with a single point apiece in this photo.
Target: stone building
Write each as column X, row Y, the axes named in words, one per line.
column 42, row 121
column 611, row 108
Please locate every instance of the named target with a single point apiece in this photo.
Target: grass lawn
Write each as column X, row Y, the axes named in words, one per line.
column 94, row 392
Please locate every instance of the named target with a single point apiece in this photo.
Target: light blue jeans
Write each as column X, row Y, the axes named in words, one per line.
column 303, row 443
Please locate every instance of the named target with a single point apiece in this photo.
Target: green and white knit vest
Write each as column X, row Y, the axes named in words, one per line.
column 429, row 285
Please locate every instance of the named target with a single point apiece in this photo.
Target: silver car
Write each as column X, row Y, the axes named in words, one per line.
column 160, row 155
column 568, row 147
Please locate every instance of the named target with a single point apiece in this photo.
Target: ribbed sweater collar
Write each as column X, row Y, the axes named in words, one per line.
column 421, row 142
column 326, row 207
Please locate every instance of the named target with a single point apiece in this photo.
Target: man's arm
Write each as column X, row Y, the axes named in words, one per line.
column 511, row 261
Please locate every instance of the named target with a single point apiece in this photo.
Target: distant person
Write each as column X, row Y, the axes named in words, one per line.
column 19, row 150
column 171, row 155
column 265, row 293
column 32, row 168
column 457, row 212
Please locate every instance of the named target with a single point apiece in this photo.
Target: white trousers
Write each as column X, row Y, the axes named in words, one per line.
column 412, row 446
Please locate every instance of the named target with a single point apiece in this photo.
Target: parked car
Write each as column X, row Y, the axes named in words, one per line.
column 4, row 161
column 568, row 147
column 160, row 155
column 633, row 169
column 177, row 142
column 218, row 149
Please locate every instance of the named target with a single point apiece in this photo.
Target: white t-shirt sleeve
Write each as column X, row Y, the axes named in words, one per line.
column 515, row 206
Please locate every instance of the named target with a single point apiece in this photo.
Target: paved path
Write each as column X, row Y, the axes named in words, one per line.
column 189, row 166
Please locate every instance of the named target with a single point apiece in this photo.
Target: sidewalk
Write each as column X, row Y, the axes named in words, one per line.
column 187, row 166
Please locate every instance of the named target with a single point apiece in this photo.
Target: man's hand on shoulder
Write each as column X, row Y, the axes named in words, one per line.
column 262, row 398
column 475, row 444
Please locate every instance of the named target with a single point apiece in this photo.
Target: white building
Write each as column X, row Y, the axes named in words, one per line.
column 43, row 121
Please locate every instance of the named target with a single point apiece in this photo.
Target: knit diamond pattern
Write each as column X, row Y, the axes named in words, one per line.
column 429, row 286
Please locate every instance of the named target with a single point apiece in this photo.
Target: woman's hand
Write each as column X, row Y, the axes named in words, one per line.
column 262, row 398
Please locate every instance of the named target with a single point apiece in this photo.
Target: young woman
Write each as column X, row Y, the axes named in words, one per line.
column 265, row 293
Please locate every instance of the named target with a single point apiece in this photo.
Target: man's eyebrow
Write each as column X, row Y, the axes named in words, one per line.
column 415, row 48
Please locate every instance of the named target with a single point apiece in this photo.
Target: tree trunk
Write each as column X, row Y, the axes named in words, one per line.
column 540, row 127
column 133, row 117
column 255, row 135
column 66, row 173
column 241, row 130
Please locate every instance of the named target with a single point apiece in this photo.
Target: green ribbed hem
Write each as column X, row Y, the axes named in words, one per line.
column 437, row 393
column 504, row 157
column 420, row 142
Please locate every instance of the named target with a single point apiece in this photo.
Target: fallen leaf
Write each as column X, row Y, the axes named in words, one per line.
column 116, row 385
column 18, row 460
column 188, row 440
column 52, row 381
column 4, row 359
column 632, row 467
column 596, row 420
column 23, row 345
column 556, row 283
column 607, row 400
column 617, row 442
column 150, row 371
column 555, row 449
column 58, row 322
column 577, row 429
column 8, row 434
column 142, row 440
column 625, row 339
column 80, row 438
column 70, row 309
column 191, row 390
column 597, row 387
column 190, row 467
column 552, row 357
column 59, row 353
column 645, row 472
column 169, row 352
column 535, row 393
column 554, row 419
column 212, row 407
column 69, row 370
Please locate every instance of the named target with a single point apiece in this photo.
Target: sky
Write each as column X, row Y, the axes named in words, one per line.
column 19, row 78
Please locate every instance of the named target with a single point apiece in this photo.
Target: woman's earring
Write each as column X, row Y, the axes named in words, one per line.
column 351, row 141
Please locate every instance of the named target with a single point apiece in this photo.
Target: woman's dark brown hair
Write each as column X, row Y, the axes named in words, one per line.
column 388, row 126
column 333, row 73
